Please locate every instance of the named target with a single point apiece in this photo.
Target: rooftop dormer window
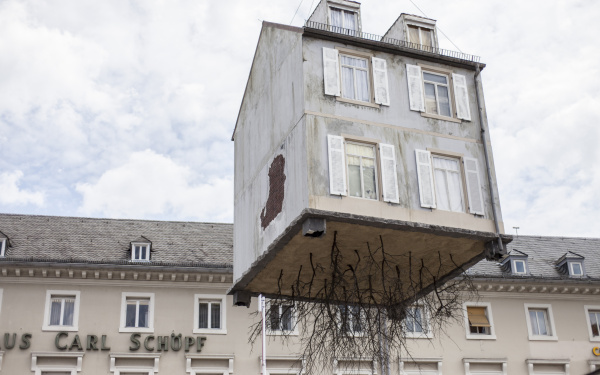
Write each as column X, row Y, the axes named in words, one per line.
column 571, row 264
column 516, row 263
column 2, row 247
column 140, row 250
column 419, row 32
column 344, row 17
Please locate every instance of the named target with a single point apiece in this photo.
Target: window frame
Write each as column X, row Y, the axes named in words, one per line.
column 117, row 370
column 420, row 361
column 571, row 270
column 461, row 170
column 357, row 55
column 513, row 267
column 426, row 333
column 351, row 332
column 125, row 296
column 376, row 162
column 436, row 85
column 422, row 27
column 592, row 309
column 490, row 317
column 73, row 369
column 549, row 322
column 210, row 298
column 46, row 326
column 347, row 9
column 3, row 242
column 279, row 331
column 147, row 245
column 451, row 94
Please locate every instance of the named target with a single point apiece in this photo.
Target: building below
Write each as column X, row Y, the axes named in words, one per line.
column 129, row 297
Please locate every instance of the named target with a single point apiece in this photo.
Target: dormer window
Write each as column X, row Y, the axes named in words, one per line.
column 418, row 31
column 140, row 250
column 519, row 267
column 422, row 36
column 342, row 20
column 575, row 269
column 571, row 264
column 515, row 263
column 2, row 247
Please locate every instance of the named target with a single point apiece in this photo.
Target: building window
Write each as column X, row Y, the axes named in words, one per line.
column 479, row 321
column 420, row 366
column 437, row 94
column 209, row 314
column 416, row 323
column 281, row 318
column 134, row 364
column 140, row 252
column 548, row 366
column 46, row 363
column 487, row 366
column 355, row 78
column 540, row 322
column 2, row 247
column 448, row 183
column 343, row 21
column 519, row 267
column 422, row 36
column 62, row 311
column 575, row 269
column 137, row 312
column 593, row 322
column 350, row 319
column 362, row 173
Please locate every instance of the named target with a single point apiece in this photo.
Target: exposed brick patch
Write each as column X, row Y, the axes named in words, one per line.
column 276, row 194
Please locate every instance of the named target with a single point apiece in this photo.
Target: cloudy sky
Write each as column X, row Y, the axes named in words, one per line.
column 125, row 109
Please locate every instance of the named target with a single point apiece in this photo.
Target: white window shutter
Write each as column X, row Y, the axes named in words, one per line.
column 337, row 165
column 415, row 88
column 389, row 176
column 425, row 177
column 461, row 94
column 331, row 71
column 380, row 81
column 473, row 186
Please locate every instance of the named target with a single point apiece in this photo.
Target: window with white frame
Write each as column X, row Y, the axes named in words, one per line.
column 592, row 314
column 140, row 252
column 416, row 322
column 575, row 269
column 281, row 318
column 208, row 364
column 540, row 322
column 134, row 364
column 209, row 314
column 2, row 247
column 62, row 310
column 350, row 319
column 420, row 366
column 355, row 78
column 424, row 37
column 438, row 93
column 479, row 322
column 46, row 363
column 343, row 21
column 441, row 177
column 548, row 366
column 519, row 267
column 485, row 366
column 137, row 312
column 362, row 171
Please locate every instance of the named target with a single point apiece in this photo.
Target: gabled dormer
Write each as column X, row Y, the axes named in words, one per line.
column 140, row 250
column 339, row 16
column 3, row 244
column 571, row 264
column 419, row 32
column 515, row 263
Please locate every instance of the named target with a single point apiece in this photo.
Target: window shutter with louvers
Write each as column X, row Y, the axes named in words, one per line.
column 415, row 88
column 331, row 71
column 380, row 81
column 473, row 186
column 463, row 111
column 425, row 178
column 337, row 165
column 389, row 176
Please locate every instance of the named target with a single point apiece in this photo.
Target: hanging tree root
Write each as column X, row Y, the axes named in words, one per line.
column 362, row 305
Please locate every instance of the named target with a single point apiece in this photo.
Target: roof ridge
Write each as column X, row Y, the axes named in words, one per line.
column 112, row 219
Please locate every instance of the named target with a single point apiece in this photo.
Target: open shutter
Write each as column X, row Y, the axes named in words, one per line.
column 473, row 186
column 389, row 177
column 380, row 81
column 331, row 71
column 463, row 111
column 415, row 88
column 425, row 177
column 337, row 165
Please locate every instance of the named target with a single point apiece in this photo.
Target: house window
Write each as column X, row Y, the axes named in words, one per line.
column 437, row 94
column 575, row 269
column 362, row 173
column 448, row 183
column 422, row 36
column 415, row 323
column 2, row 247
column 47, row 363
column 479, row 322
column 140, row 251
column 420, row 366
column 350, row 319
column 540, row 322
column 519, row 267
column 355, row 78
column 593, row 321
column 343, row 21
column 209, row 314
column 137, row 312
column 281, row 317
column 134, row 364
column 62, row 311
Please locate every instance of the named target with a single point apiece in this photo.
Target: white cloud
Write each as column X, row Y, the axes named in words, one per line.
column 150, row 185
column 11, row 194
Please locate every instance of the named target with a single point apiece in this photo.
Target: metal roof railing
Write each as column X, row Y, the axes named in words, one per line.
column 391, row 41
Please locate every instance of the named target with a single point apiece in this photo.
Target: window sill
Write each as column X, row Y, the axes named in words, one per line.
column 136, row 329
column 427, row 336
column 471, row 336
column 358, row 102
column 438, row 117
column 60, row 328
column 207, row 331
column 542, row 338
column 595, row 339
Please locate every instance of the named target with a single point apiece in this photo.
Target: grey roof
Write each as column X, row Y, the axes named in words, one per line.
column 543, row 254
column 108, row 241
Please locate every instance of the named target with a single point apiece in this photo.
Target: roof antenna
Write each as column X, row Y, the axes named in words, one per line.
column 517, row 230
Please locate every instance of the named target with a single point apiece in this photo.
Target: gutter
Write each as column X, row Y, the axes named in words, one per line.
column 108, row 266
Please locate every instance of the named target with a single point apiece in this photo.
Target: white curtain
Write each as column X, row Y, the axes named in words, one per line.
column 350, row 21
column 55, row 312
column 347, row 82
column 68, row 313
column 447, row 184
column 336, row 20
column 215, row 315
column 203, row 315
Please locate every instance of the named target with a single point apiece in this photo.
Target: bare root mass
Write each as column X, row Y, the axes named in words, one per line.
column 360, row 307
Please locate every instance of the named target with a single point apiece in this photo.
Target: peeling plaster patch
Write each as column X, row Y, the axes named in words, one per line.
column 276, row 191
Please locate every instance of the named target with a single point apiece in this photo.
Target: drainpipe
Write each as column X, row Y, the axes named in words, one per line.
column 494, row 254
